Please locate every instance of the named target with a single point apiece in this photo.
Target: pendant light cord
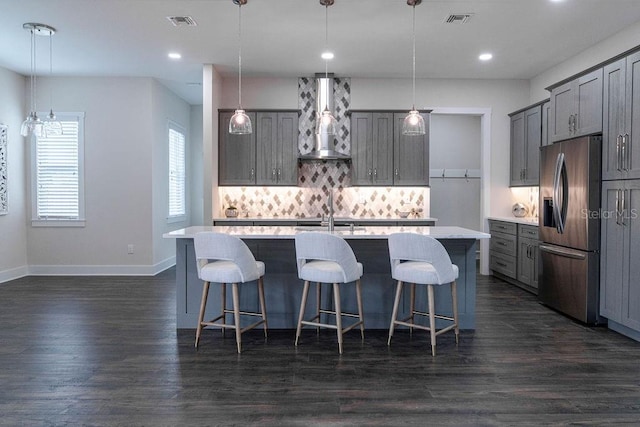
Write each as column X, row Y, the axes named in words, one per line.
column 32, row 80
column 326, row 49
column 414, row 57
column 51, row 68
column 240, row 55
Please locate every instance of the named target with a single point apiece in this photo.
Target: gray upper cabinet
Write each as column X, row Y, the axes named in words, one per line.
column 621, row 115
column 526, row 137
column 237, row 153
column 546, row 138
column 576, row 107
column 371, row 148
column 277, row 148
column 620, row 252
column 410, row 154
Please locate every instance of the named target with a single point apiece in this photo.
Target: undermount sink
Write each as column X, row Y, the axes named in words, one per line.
column 326, row 228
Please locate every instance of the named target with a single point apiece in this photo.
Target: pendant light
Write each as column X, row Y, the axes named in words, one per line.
column 240, row 123
column 51, row 125
column 33, row 125
column 326, row 122
column 413, row 124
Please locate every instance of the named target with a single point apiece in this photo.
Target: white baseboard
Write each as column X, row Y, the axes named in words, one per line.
column 101, row 270
column 14, row 273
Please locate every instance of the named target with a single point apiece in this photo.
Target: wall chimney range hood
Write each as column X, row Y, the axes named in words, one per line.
column 324, row 145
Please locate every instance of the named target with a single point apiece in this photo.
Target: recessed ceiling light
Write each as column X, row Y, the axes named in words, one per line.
column 485, row 57
column 327, row 55
column 174, row 55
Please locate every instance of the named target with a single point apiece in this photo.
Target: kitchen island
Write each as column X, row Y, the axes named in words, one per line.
column 274, row 245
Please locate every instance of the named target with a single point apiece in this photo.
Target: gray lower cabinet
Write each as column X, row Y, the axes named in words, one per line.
column 526, row 138
column 620, row 255
column 528, row 255
column 410, row 154
column 513, row 253
column 576, row 107
column 276, row 148
column 371, row 148
column 237, row 153
column 621, row 116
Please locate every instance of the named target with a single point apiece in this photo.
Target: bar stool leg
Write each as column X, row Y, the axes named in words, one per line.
column 224, row 308
column 236, row 316
column 394, row 315
column 203, row 305
column 359, row 299
column 432, row 319
column 303, row 304
column 336, row 297
column 454, row 298
column 263, row 308
column 413, row 307
column 319, row 304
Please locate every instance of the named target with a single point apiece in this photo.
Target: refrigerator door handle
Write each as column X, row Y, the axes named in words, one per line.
column 564, row 205
column 567, row 253
column 555, row 195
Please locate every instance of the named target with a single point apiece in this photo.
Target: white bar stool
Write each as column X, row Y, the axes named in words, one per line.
column 326, row 258
column 419, row 259
column 224, row 259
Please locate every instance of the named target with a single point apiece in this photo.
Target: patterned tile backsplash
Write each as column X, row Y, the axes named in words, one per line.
column 316, row 179
column 297, row 202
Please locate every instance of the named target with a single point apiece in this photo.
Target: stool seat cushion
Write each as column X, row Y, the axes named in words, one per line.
column 325, row 272
column 420, row 272
column 227, row 272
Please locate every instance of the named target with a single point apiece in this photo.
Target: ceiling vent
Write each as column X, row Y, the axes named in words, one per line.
column 182, row 20
column 458, row 18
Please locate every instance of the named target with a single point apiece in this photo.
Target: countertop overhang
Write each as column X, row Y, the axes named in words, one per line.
column 367, row 232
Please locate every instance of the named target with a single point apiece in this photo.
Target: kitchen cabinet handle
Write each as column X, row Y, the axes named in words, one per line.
column 570, row 119
column 253, row 173
column 369, row 172
column 396, row 172
column 273, row 174
column 618, row 207
column 375, row 174
column 623, row 153
column 501, row 264
column 575, row 123
column 618, row 144
column 623, row 208
column 627, row 150
column 279, row 173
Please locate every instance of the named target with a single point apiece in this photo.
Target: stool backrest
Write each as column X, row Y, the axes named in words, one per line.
column 326, row 247
column 418, row 247
column 223, row 247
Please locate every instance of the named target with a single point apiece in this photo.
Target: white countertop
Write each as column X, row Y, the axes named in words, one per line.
column 371, row 232
column 526, row 220
column 317, row 219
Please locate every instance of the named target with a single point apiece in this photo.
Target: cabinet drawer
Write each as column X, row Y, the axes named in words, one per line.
column 503, row 227
column 504, row 264
column 528, row 231
column 503, row 243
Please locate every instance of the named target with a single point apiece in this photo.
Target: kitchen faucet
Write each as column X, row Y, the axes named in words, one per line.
column 329, row 222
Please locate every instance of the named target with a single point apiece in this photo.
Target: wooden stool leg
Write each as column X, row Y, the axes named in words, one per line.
column 236, row 316
column 263, row 308
column 396, row 303
column 454, row 297
column 319, row 304
column 203, row 305
column 303, row 304
column 336, row 297
column 359, row 299
column 432, row 319
column 413, row 307
column 224, row 308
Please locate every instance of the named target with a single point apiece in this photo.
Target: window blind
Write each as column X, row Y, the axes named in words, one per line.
column 177, row 185
column 57, row 174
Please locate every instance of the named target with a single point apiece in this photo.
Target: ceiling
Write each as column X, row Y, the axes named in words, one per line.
column 370, row 38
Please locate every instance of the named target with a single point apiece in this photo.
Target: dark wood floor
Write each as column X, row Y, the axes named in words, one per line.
column 105, row 351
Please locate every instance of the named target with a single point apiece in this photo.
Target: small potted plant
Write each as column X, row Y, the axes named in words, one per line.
column 231, row 212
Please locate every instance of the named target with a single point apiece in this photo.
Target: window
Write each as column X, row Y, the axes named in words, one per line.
column 177, row 178
column 58, row 174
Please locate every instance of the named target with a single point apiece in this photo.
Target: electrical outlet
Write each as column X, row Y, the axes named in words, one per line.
column 130, row 249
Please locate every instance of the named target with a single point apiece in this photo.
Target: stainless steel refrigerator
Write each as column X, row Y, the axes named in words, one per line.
column 569, row 227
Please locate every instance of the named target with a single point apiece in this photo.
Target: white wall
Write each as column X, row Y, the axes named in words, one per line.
column 13, row 230
column 125, row 142
column 195, row 165
column 600, row 52
column 166, row 106
column 212, row 87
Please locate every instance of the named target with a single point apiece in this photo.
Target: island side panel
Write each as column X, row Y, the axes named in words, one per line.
column 283, row 289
